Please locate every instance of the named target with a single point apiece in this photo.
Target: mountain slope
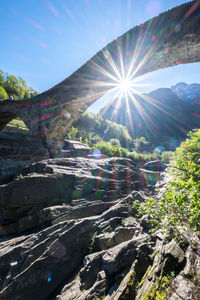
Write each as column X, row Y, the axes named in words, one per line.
column 186, row 92
column 161, row 114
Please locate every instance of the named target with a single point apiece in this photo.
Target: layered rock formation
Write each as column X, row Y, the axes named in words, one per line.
column 68, row 232
column 18, row 149
column 76, row 184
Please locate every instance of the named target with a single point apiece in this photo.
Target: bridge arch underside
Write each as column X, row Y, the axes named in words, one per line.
column 5, row 118
column 170, row 39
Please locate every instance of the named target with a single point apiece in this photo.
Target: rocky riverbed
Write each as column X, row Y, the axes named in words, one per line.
column 68, row 232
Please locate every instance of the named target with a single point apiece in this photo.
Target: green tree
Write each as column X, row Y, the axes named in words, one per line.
column 141, row 144
column 11, row 86
column 107, row 149
column 182, row 198
column 91, row 126
column 166, row 156
column 180, row 204
column 3, row 94
column 72, row 133
column 115, row 142
column 32, row 92
column 16, row 86
column 2, row 80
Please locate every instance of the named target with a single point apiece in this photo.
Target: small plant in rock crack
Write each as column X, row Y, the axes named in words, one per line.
column 91, row 246
column 19, row 176
column 150, row 207
column 97, row 298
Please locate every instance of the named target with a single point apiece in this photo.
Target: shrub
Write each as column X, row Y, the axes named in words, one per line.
column 107, row 149
column 151, row 207
column 181, row 202
column 141, row 144
column 115, row 142
column 166, row 156
column 182, row 197
column 3, row 94
column 72, row 133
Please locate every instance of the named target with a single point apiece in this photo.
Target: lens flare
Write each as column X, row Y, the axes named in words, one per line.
column 117, row 69
column 125, row 85
column 97, row 153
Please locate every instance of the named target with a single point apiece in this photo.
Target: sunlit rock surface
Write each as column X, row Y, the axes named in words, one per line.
column 68, row 232
column 77, row 182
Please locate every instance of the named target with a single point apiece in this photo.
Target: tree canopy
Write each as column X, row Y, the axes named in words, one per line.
column 16, row 87
column 95, row 128
column 3, row 94
column 182, row 198
column 180, row 203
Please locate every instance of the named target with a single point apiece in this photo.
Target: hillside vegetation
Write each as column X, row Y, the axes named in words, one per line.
column 180, row 203
column 161, row 116
column 94, row 128
column 15, row 87
column 109, row 138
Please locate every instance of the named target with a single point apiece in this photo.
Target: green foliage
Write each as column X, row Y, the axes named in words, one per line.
column 110, row 138
column 141, row 144
column 2, row 80
column 95, row 128
column 181, row 202
column 17, row 123
column 3, row 94
column 130, row 283
column 19, row 176
column 160, row 289
column 72, row 133
column 15, row 86
column 115, row 142
column 166, row 156
column 151, row 207
column 155, row 294
column 182, row 198
column 140, row 156
column 109, row 150
column 91, row 246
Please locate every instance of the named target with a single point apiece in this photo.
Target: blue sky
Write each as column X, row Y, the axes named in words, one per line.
column 44, row 41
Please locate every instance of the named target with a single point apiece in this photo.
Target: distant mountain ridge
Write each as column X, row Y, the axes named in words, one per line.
column 160, row 114
column 186, row 91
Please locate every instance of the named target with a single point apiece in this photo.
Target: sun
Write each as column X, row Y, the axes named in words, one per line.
column 125, row 85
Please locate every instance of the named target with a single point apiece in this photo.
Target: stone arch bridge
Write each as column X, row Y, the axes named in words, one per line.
column 169, row 39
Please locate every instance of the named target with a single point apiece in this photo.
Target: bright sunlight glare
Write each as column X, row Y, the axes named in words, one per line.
column 125, row 85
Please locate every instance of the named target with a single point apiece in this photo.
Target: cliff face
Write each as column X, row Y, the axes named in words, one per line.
column 18, row 149
column 68, row 232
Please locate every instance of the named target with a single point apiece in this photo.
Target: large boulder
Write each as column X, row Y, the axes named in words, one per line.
column 155, row 165
column 18, row 150
column 60, row 181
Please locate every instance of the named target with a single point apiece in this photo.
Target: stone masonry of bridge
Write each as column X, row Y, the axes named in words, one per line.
column 169, row 39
